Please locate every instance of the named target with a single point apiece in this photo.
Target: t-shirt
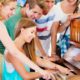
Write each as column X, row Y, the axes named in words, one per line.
column 10, row 26
column 43, row 31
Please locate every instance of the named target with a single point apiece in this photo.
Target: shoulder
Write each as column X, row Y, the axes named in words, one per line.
column 1, row 24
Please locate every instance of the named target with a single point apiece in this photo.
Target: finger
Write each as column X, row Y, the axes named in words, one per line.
column 53, row 77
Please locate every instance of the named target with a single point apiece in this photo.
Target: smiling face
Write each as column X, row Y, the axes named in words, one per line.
column 28, row 34
column 35, row 12
column 8, row 10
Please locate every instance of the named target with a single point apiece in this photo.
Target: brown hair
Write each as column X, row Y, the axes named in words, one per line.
column 39, row 3
column 42, row 5
column 76, row 8
column 29, row 48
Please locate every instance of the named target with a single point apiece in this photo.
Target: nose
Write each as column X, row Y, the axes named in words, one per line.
column 50, row 5
column 11, row 13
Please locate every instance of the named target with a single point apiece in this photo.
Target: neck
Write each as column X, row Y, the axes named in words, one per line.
column 19, row 42
column 69, row 4
column 67, row 7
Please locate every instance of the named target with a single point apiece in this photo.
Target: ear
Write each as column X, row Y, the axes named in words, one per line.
column 22, row 30
column 27, row 7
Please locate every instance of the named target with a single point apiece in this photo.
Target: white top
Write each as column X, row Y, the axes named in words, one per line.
column 60, row 15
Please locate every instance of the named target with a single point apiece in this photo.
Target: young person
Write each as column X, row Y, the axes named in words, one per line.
column 43, row 28
column 7, row 9
column 24, row 41
column 62, row 11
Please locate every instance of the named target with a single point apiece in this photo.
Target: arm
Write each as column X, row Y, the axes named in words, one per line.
column 21, row 69
column 39, row 46
column 47, row 64
column 54, row 30
column 75, row 15
column 67, row 23
column 10, row 46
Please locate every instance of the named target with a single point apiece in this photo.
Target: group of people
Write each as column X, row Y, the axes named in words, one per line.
column 28, row 35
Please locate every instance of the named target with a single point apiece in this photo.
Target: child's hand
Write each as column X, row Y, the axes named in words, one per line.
column 50, row 75
column 75, row 15
column 54, row 57
column 77, row 58
column 63, row 69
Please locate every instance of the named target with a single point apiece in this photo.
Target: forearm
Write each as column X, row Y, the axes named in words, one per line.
column 75, row 15
column 54, row 30
column 45, row 63
column 39, row 46
column 32, row 75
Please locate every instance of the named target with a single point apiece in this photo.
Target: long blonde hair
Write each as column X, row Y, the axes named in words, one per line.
column 29, row 48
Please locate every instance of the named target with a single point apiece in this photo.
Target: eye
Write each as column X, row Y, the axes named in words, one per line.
column 47, row 1
column 53, row 1
column 35, row 11
column 12, row 8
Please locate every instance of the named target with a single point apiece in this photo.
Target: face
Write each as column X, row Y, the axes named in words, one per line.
column 35, row 13
column 72, row 2
column 9, row 10
column 49, row 3
column 28, row 34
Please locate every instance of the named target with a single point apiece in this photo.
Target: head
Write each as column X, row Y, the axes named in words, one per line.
column 49, row 3
column 7, row 8
column 35, row 11
column 26, row 29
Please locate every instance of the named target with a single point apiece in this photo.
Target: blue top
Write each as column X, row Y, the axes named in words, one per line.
column 14, row 75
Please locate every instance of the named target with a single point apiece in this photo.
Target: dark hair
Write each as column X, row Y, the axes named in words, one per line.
column 76, row 9
column 32, row 4
column 29, row 48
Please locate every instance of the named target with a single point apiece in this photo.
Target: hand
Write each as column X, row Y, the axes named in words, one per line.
column 63, row 69
column 77, row 58
column 55, row 57
column 75, row 15
column 50, row 75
